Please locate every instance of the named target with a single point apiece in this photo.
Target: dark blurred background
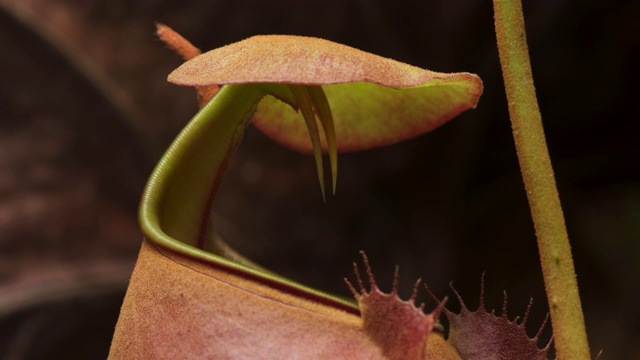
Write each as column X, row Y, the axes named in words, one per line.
column 85, row 112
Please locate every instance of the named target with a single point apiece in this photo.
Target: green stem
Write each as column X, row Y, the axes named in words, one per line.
column 176, row 203
column 553, row 243
column 177, row 199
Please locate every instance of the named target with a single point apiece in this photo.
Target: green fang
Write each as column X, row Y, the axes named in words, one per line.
column 312, row 102
column 323, row 111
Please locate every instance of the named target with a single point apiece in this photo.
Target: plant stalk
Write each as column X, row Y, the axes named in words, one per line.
column 553, row 242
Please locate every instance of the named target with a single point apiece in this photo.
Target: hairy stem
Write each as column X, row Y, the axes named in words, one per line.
column 553, row 243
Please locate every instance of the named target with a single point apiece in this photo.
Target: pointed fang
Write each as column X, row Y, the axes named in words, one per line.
column 304, row 101
column 321, row 105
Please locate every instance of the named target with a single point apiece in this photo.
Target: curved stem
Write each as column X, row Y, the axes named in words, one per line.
column 553, row 243
column 176, row 203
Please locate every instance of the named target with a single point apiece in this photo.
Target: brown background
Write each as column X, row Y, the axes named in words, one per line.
column 85, row 113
